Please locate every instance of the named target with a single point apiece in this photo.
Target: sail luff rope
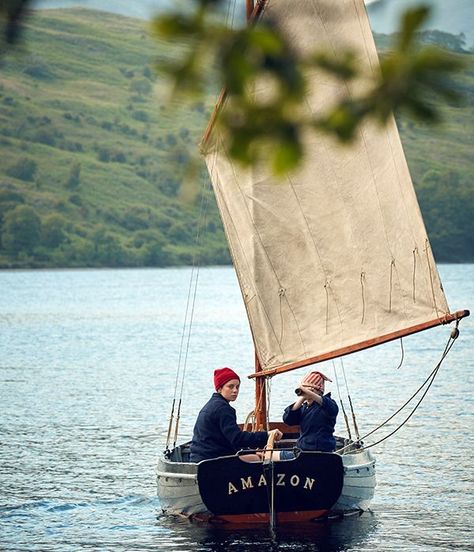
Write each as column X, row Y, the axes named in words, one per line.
column 452, row 338
column 427, row 248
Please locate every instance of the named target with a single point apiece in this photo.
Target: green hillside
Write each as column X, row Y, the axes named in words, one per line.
column 96, row 168
column 89, row 143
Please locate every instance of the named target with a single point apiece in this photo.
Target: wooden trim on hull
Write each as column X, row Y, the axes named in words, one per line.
column 282, row 517
column 364, row 344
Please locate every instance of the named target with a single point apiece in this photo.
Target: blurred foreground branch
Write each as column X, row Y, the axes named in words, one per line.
column 12, row 13
column 411, row 77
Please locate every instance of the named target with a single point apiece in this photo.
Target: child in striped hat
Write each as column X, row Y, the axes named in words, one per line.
column 314, row 381
column 315, row 413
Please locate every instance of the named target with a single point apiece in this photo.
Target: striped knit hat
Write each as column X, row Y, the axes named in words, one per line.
column 316, row 380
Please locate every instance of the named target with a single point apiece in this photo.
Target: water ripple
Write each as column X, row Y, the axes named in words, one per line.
column 87, row 373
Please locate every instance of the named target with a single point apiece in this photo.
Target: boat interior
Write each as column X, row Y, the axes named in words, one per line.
column 181, row 453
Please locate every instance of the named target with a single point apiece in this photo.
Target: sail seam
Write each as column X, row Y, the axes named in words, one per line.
column 367, row 50
column 427, row 249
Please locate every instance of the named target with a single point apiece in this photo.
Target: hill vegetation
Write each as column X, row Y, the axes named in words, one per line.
column 98, row 170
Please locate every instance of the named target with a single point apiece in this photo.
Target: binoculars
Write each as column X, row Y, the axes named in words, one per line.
column 298, row 391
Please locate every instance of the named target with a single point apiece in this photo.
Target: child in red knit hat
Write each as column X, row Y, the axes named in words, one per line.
column 216, row 432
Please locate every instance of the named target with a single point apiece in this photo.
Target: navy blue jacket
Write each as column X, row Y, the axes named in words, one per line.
column 216, row 432
column 316, row 424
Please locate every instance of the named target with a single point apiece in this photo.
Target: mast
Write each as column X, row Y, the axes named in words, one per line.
column 260, row 397
column 249, row 8
column 260, row 391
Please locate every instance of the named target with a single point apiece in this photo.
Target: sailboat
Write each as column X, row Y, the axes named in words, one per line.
column 331, row 260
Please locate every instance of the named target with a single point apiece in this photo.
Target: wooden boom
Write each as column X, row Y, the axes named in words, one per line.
column 362, row 345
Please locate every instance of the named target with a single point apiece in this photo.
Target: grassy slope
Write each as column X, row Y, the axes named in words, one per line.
column 84, row 64
column 68, row 100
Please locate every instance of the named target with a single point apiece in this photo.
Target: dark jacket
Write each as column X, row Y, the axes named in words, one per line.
column 216, row 432
column 316, row 424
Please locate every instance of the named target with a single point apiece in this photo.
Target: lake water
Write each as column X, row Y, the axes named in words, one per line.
column 87, row 373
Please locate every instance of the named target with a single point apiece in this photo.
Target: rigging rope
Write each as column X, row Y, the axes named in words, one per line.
column 268, row 394
column 188, row 319
column 452, row 338
column 192, row 290
column 346, row 419
column 354, row 421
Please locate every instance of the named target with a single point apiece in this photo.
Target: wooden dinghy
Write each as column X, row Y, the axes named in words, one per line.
column 312, row 486
column 330, row 260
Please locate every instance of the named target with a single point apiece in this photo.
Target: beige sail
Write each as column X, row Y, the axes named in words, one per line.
column 336, row 254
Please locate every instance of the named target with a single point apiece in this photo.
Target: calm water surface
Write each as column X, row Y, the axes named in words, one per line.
column 87, row 373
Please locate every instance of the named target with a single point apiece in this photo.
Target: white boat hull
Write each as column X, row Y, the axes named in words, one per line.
column 179, row 493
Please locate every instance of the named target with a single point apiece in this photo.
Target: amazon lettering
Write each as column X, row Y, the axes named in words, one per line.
column 281, row 480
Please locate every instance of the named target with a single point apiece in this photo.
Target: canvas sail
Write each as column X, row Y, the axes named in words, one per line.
column 336, row 254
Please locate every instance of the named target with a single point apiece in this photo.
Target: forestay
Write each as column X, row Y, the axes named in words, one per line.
column 336, row 254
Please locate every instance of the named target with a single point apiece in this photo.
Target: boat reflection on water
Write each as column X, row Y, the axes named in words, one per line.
column 329, row 535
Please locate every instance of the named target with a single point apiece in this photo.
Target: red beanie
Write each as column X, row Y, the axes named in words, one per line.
column 316, row 380
column 222, row 376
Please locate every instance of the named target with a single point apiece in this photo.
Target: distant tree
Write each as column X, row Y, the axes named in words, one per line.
column 142, row 87
column 447, row 202
column 147, row 72
column 24, row 169
column 171, row 140
column 141, row 115
column 155, row 254
column 52, row 231
column 74, row 179
column 10, row 196
column 38, row 69
column 9, row 199
column 119, row 157
column 169, row 186
column 21, row 230
column 184, row 134
column 47, row 136
column 108, row 251
column 103, row 154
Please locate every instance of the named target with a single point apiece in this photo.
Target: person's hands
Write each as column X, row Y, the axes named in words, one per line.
column 277, row 433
